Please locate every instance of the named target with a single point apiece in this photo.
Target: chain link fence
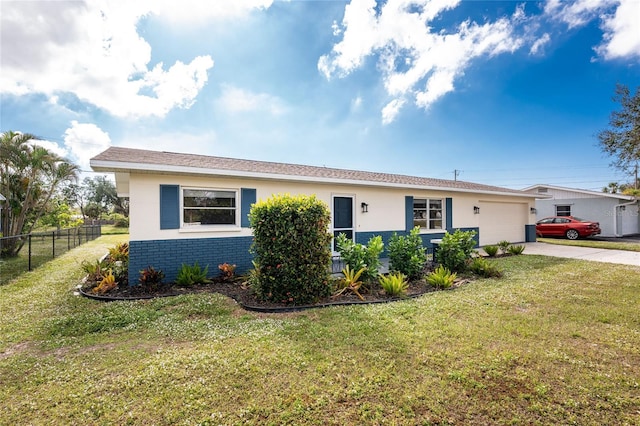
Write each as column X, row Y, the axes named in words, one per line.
column 40, row 247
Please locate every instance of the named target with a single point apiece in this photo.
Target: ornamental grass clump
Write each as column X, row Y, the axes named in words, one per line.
column 394, row 284
column 351, row 282
column 441, row 278
column 515, row 249
column 192, row 274
column 292, row 249
column 491, row 250
column 483, row 268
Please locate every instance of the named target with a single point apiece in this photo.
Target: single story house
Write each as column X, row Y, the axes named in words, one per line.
column 616, row 213
column 186, row 208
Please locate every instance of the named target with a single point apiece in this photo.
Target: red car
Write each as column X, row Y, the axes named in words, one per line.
column 566, row 226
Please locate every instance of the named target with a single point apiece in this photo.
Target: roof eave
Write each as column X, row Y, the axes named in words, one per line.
column 116, row 166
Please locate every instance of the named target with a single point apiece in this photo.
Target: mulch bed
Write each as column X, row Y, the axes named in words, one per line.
column 244, row 296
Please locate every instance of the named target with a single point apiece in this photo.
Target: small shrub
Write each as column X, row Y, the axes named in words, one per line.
column 119, row 253
column 227, row 271
column 515, row 250
column 456, row 250
column 351, row 282
column 504, row 246
column 95, row 270
column 122, row 222
column 483, row 268
column 192, row 274
column 492, row 251
column 441, row 277
column 358, row 256
column 107, row 284
column 150, row 277
column 407, row 254
column 394, row 284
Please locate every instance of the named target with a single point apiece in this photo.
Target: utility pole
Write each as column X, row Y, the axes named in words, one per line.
column 456, row 172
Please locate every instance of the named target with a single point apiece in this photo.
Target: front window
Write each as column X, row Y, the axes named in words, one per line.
column 209, row 207
column 563, row 210
column 427, row 214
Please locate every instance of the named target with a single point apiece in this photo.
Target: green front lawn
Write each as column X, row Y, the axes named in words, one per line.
column 556, row 341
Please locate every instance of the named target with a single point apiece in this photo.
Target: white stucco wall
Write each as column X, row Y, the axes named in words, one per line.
column 386, row 205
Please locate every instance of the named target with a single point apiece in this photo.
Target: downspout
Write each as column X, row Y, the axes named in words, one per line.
column 615, row 216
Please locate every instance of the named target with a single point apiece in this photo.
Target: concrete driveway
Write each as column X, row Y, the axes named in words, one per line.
column 585, row 253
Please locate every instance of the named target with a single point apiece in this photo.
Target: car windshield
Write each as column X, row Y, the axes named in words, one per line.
column 580, row 219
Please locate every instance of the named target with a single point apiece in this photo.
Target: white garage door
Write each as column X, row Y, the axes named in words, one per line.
column 502, row 221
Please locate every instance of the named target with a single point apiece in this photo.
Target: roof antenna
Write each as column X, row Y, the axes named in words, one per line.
column 456, row 173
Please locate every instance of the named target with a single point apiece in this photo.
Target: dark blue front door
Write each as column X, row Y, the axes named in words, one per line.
column 343, row 216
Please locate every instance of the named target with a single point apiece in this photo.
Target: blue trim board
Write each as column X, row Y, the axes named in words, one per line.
column 247, row 198
column 408, row 213
column 169, row 206
column 448, row 211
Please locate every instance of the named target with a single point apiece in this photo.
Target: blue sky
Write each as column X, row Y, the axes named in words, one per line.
column 509, row 93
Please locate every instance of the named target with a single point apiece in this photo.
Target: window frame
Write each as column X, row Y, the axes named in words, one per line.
column 427, row 217
column 566, row 207
column 211, row 226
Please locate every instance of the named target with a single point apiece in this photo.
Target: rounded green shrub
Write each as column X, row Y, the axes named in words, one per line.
column 292, row 249
column 491, row 250
column 456, row 250
column 407, row 255
column 359, row 256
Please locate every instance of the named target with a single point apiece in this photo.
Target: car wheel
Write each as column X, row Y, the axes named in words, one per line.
column 572, row 234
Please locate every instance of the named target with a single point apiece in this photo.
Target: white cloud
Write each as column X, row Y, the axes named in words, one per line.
column 356, row 103
column 195, row 12
column 618, row 21
column 237, row 100
column 410, row 53
column 537, row 45
column 621, row 32
column 83, row 141
column 576, row 13
column 92, row 49
column 391, row 110
column 52, row 147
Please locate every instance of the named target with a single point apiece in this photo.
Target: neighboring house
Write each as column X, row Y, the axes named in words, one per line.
column 186, row 208
column 616, row 213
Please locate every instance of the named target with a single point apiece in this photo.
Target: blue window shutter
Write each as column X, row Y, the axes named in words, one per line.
column 169, row 207
column 449, row 213
column 247, row 197
column 408, row 212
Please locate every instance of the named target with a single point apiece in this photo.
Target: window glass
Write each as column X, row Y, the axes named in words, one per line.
column 209, row 207
column 427, row 214
column 563, row 210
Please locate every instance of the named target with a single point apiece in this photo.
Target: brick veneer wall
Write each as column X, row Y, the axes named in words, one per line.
column 169, row 255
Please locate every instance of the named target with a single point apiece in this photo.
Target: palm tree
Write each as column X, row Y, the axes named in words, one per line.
column 29, row 177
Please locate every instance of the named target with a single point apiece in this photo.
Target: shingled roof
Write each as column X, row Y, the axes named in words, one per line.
column 127, row 160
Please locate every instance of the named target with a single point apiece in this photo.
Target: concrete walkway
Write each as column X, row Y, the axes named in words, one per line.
column 585, row 253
